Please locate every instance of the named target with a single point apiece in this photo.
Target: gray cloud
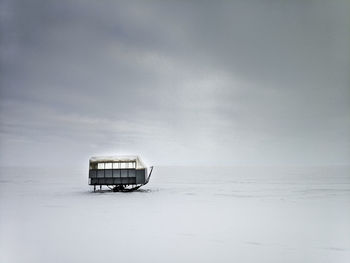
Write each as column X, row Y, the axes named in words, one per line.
column 244, row 82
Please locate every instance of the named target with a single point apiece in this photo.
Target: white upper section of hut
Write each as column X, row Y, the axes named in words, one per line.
column 118, row 159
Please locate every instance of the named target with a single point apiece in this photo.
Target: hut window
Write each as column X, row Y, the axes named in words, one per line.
column 115, row 165
column 101, row 166
column 108, row 165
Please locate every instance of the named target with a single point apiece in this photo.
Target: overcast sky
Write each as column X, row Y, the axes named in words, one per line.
column 177, row 82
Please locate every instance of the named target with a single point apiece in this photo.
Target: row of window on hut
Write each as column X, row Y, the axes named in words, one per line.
column 116, row 165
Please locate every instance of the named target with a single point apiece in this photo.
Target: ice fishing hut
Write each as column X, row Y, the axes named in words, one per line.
column 119, row 173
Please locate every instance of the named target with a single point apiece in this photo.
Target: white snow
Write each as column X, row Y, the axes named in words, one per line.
column 182, row 215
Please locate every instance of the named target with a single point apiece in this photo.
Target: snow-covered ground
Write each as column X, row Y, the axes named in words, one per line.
column 182, row 215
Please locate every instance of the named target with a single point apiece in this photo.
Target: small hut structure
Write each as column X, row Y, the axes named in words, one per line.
column 119, row 173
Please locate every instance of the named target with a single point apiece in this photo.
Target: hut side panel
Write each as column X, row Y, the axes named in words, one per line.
column 141, row 176
column 117, row 176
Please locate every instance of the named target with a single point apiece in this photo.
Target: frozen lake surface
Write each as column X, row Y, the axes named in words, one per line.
column 183, row 215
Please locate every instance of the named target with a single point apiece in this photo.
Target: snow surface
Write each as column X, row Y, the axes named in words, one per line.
column 182, row 215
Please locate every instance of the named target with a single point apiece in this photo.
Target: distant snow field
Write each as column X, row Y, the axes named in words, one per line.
column 183, row 215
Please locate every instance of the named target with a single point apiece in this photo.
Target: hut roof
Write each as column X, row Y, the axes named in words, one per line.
column 118, row 159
